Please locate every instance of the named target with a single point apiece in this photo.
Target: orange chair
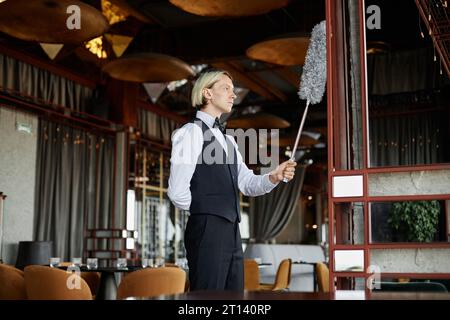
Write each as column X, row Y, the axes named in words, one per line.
column 92, row 278
column 12, row 283
column 323, row 277
column 174, row 265
column 282, row 278
column 45, row 283
column 251, row 275
column 152, row 282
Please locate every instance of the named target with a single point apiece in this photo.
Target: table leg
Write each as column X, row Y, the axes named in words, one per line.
column 315, row 288
column 108, row 288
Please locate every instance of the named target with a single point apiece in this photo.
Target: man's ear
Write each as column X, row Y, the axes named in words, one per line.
column 206, row 93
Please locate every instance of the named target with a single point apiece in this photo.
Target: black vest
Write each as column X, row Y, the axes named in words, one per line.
column 214, row 184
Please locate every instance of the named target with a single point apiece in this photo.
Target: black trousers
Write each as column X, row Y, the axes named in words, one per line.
column 214, row 253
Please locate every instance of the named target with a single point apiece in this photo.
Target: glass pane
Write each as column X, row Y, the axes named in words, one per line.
column 161, row 229
column 407, row 99
column 356, row 285
column 409, row 183
column 424, row 260
column 412, row 285
column 349, row 260
column 349, row 223
column 409, row 221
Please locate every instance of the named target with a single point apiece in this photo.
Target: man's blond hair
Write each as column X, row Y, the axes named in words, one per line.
column 206, row 80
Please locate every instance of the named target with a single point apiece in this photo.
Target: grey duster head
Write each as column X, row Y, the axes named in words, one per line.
column 314, row 75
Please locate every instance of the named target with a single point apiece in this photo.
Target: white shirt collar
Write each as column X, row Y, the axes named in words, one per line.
column 206, row 118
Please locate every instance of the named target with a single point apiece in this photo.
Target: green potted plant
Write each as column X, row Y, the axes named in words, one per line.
column 417, row 220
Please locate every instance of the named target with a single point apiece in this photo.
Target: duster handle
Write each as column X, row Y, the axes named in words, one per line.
column 299, row 133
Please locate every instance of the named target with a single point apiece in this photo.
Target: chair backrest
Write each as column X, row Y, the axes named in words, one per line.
column 283, row 277
column 151, row 282
column 12, row 283
column 251, row 275
column 174, row 265
column 323, row 277
column 45, row 283
column 92, row 278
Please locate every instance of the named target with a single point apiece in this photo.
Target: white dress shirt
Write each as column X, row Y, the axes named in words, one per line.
column 187, row 143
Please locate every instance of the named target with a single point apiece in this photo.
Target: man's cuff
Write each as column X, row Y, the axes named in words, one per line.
column 268, row 185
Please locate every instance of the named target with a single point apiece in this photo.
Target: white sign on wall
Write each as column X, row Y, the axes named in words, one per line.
column 348, row 186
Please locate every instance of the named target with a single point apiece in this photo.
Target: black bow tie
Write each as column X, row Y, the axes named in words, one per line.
column 219, row 125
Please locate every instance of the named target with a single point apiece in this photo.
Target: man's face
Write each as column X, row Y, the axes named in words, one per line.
column 221, row 94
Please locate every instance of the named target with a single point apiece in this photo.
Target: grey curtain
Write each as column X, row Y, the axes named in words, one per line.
column 73, row 185
column 41, row 85
column 407, row 139
column 403, row 71
column 156, row 126
column 399, row 84
column 271, row 212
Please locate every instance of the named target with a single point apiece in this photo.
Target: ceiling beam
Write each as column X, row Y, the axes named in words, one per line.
column 252, row 82
column 288, row 75
column 278, row 93
column 245, row 80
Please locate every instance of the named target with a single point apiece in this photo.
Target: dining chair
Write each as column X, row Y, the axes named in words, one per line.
column 92, row 278
column 151, row 282
column 282, row 278
column 174, row 265
column 45, row 283
column 12, row 283
column 323, row 277
column 251, row 275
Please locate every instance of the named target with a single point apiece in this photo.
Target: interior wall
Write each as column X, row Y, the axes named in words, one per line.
column 17, row 179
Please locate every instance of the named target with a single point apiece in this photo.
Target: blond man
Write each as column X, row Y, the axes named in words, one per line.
column 207, row 172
